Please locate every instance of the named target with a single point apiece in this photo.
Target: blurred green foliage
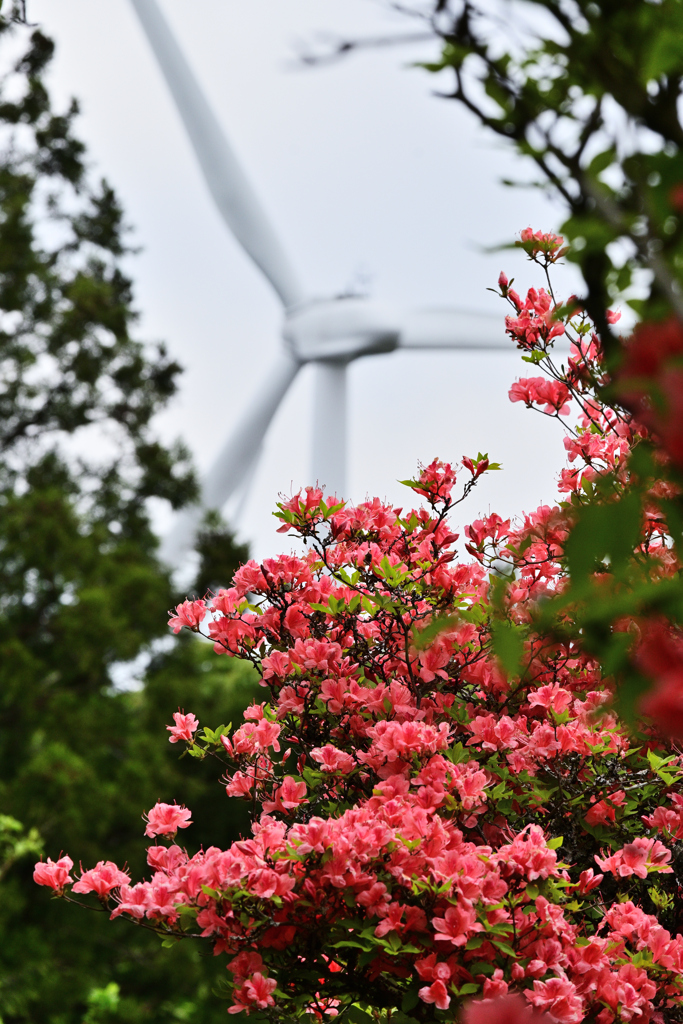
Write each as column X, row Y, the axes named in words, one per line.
column 16, row 843
column 589, row 91
column 614, row 578
column 219, row 555
column 81, row 590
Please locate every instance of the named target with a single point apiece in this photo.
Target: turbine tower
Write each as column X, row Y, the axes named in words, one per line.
column 328, row 332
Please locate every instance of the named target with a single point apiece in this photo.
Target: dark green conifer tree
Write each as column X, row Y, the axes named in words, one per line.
column 81, row 589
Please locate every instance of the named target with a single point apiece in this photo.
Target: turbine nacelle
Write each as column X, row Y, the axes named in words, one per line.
column 340, row 329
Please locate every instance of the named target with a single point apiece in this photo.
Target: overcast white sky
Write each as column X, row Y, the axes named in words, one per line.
column 365, row 173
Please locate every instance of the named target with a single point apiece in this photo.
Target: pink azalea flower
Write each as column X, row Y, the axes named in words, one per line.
column 509, row 1009
column 245, row 963
column 266, row 734
column 551, row 696
column 240, row 784
column 589, row 880
column 249, row 578
column 290, row 794
column 495, row 986
column 54, row 874
column 638, row 858
column 604, row 810
column 189, row 614
column 134, row 900
column 255, row 991
column 456, row 925
column 296, row 623
column 226, row 601
column 551, row 394
column 374, row 899
column 544, row 242
column 101, row 879
column 166, row 819
column 559, row 998
column 332, row 760
column 276, row 665
column 185, row 726
column 529, row 854
column 436, row 993
column 436, row 480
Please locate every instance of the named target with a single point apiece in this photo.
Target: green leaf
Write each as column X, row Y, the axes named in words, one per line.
column 424, row 638
column 481, row 967
column 603, row 532
column 358, row 1016
column 508, row 645
column 457, row 753
column 601, row 162
column 503, row 947
column 349, row 943
column 410, row 999
column 658, row 763
column 665, row 55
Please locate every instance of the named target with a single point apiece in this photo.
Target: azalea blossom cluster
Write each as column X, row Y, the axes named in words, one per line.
column 432, row 824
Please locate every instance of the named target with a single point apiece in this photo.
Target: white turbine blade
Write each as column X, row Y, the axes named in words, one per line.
column 459, row 329
column 329, row 427
column 241, row 498
column 453, row 329
column 226, row 180
column 235, row 460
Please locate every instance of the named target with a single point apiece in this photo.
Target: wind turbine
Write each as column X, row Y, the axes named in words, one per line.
column 328, row 332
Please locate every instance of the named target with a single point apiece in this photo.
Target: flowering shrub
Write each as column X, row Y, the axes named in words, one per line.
column 446, row 803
